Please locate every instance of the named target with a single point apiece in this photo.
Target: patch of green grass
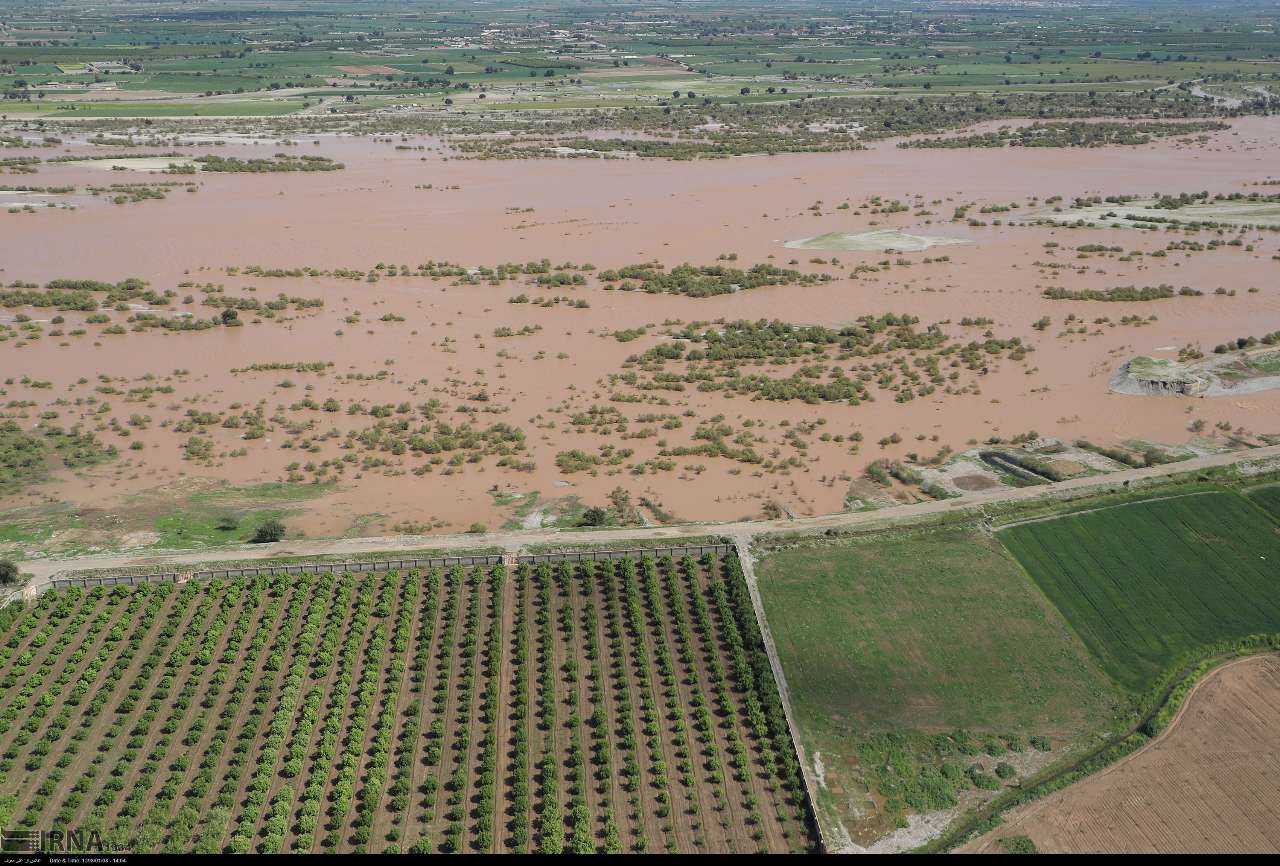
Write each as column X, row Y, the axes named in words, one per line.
column 1144, row 583
column 192, row 529
column 930, row 629
column 897, row 644
column 272, row 491
column 34, row 530
column 229, row 515
column 1266, row 365
column 519, row 503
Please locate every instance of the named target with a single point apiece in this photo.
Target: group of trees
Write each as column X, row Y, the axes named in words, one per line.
column 1072, row 134
column 891, row 354
column 688, row 129
column 1269, row 339
column 281, row 162
column 1124, row 294
column 324, row 711
column 702, row 281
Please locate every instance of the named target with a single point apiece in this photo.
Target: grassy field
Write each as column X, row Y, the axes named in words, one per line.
column 1143, row 583
column 923, row 629
column 162, row 519
column 228, row 515
column 902, row 651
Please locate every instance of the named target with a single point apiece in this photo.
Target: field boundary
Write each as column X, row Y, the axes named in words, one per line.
column 354, row 566
column 623, row 553
column 114, row 580
column 1149, row 726
column 1165, row 732
column 742, row 547
column 364, row 566
column 1048, row 517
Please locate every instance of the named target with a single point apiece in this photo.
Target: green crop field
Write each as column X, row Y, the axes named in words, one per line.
column 1268, row 498
column 1146, row 582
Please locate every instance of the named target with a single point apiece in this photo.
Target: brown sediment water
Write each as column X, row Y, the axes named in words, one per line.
column 611, row 213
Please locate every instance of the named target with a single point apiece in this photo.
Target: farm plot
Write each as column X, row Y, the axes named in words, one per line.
column 918, row 660
column 1209, row 784
column 1146, row 582
column 577, row 707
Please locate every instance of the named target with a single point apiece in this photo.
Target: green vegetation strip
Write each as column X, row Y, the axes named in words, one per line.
column 1268, row 498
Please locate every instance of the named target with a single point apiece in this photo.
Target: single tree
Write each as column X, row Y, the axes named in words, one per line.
column 271, row 531
column 595, row 516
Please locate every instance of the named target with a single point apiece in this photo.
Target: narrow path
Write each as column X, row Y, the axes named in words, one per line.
column 44, row 570
column 743, row 544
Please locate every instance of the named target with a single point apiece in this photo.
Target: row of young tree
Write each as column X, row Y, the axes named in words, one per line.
column 588, row 707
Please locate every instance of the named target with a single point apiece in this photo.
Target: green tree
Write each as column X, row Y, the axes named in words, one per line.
column 551, row 831
column 595, row 516
column 271, row 531
column 8, row 572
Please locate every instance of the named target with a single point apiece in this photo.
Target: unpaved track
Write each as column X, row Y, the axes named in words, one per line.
column 742, row 541
column 512, row 542
column 742, row 534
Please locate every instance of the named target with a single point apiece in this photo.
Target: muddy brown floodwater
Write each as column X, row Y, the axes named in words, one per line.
column 406, row 207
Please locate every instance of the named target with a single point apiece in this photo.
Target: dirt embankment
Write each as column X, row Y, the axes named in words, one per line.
column 1211, row 782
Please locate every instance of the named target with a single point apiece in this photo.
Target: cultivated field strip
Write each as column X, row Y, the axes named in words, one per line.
column 1207, row 785
column 1147, row 581
column 615, row 705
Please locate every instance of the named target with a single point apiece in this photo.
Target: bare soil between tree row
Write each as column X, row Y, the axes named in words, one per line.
column 448, row 710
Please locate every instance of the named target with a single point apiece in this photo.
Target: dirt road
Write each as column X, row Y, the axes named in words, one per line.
column 515, row 541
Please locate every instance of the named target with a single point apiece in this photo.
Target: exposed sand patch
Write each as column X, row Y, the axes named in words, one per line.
column 819, row 771
column 1216, row 376
column 17, row 198
column 881, row 241
column 919, row 829
column 148, row 164
column 1144, row 213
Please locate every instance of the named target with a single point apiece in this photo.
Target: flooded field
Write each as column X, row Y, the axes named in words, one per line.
column 376, row 355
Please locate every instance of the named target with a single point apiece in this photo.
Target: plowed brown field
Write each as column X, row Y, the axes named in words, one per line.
column 1211, row 783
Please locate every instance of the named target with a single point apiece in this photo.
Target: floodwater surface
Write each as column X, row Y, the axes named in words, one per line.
column 426, row 351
